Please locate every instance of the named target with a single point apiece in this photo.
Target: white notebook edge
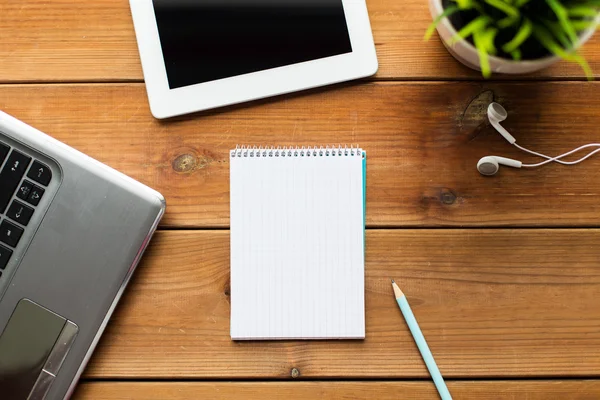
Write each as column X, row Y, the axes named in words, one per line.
column 264, row 151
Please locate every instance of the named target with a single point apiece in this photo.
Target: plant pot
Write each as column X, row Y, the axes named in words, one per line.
column 466, row 53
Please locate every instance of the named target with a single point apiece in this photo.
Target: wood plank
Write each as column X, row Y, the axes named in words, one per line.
column 423, row 142
column 71, row 40
column 480, row 390
column 491, row 303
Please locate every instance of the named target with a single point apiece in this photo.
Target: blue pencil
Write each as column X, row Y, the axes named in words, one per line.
column 421, row 343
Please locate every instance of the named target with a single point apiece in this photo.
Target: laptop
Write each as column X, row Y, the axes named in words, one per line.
column 72, row 231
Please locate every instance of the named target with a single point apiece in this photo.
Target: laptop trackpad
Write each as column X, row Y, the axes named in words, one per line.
column 32, row 347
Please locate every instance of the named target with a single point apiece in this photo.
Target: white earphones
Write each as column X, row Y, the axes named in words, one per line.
column 490, row 165
column 496, row 114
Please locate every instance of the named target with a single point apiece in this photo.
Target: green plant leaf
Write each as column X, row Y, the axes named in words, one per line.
column 582, row 25
column 478, row 24
column 484, row 61
column 447, row 12
column 516, row 55
column 563, row 19
column 546, row 39
column 464, row 4
column 508, row 21
column 555, row 29
column 521, row 36
column 472, row 5
column 489, row 38
column 520, row 3
column 504, row 7
column 582, row 11
column 591, row 3
column 587, row 70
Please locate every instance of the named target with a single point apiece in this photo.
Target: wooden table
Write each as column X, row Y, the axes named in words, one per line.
column 503, row 273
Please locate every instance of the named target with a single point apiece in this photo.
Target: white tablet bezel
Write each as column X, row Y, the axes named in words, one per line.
column 166, row 102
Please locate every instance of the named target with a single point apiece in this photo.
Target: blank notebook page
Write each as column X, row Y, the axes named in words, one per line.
column 297, row 244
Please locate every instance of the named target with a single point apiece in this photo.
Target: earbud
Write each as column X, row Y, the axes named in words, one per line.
column 491, row 164
column 497, row 114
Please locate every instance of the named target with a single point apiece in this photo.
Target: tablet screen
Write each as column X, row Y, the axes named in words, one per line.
column 207, row 40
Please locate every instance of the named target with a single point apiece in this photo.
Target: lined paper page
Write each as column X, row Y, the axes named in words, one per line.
column 297, row 246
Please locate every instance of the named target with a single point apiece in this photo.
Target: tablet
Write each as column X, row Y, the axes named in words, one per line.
column 202, row 54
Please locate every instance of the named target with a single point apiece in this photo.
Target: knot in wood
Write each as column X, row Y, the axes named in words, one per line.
column 185, row 163
column 447, row 197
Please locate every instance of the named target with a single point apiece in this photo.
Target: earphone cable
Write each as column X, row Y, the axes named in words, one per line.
column 558, row 158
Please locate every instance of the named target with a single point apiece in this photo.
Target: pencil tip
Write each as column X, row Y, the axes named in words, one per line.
column 393, row 281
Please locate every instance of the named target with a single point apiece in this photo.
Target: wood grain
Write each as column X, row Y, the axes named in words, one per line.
column 423, row 142
column 509, row 303
column 75, row 41
column 491, row 303
column 482, row 390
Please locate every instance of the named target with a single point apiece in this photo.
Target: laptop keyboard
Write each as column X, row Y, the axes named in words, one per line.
column 27, row 177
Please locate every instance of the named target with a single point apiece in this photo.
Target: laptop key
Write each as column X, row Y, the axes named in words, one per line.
column 19, row 212
column 35, row 195
column 40, row 173
column 24, row 190
column 4, row 149
column 5, row 255
column 10, row 234
column 11, row 175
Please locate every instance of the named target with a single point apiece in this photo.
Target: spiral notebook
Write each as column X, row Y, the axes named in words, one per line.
column 297, row 243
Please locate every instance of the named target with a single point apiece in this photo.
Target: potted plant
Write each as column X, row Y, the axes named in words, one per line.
column 514, row 36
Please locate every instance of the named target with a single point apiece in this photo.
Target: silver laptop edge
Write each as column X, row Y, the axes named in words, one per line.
column 89, row 353
column 144, row 208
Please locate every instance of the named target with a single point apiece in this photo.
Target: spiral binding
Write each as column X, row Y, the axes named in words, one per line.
column 296, row 151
